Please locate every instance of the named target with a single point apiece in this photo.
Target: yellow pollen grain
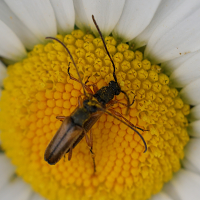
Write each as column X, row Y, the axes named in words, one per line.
column 123, row 171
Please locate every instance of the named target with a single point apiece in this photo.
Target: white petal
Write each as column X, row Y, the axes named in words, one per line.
column 189, row 166
column 187, row 72
column 190, row 93
column 11, row 47
column 194, row 129
column 106, row 13
column 65, row 15
column 36, row 196
column 194, row 113
column 161, row 196
column 192, row 151
column 172, row 65
column 3, row 73
column 6, row 170
column 184, row 185
column 177, row 35
column 17, row 190
column 37, row 15
column 11, row 20
column 81, row 17
column 135, row 18
column 164, row 10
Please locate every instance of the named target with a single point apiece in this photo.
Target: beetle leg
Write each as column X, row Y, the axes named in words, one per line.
column 133, row 100
column 93, row 158
column 87, row 87
column 80, row 101
column 89, row 142
column 61, row 118
column 64, row 156
column 92, row 153
column 87, row 139
column 120, row 115
column 128, row 105
column 112, row 102
column 87, row 80
column 91, row 139
column 95, row 88
column 70, row 153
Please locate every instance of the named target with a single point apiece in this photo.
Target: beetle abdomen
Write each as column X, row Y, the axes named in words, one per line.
column 63, row 140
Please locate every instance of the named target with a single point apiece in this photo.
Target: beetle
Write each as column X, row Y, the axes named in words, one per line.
column 72, row 130
column 89, row 110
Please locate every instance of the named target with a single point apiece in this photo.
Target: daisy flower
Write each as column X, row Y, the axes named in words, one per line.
column 155, row 46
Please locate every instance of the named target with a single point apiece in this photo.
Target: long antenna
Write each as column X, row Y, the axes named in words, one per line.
column 145, row 144
column 128, row 100
column 80, row 80
column 95, row 23
column 114, row 75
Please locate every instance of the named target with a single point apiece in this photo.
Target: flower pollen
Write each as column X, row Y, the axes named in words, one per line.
column 39, row 88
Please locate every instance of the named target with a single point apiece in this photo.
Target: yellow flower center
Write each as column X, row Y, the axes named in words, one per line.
column 38, row 89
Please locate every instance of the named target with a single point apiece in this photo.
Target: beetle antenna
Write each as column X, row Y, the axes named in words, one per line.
column 145, row 144
column 95, row 23
column 128, row 100
column 114, row 75
column 71, row 59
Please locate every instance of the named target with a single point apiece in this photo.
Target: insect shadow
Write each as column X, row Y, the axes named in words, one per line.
column 89, row 110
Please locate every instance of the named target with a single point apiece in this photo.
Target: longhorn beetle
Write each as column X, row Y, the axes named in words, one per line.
column 89, row 110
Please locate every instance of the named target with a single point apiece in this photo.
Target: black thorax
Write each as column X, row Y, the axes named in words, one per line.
column 107, row 93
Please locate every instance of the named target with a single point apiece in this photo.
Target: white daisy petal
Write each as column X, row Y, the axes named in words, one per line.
column 6, row 170
column 32, row 12
column 161, row 196
column 3, row 73
column 191, row 159
column 190, row 93
column 22, row 32
column 194, row 129
column 187, row 72
column 184, row 186
column 164, row 10
column 106, row 13
column 81, row 19
column 177, row 35
column 11, row 47
column 135, row 18
column 172, row 65
column 194, row 113
column 189, row 166
column 65, row 15
column 17, row 190
column 36, row 196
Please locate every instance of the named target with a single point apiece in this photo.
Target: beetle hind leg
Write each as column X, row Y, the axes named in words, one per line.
column 93, row 158
column 70, row 153
column 89, row 142
column 61, row 118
